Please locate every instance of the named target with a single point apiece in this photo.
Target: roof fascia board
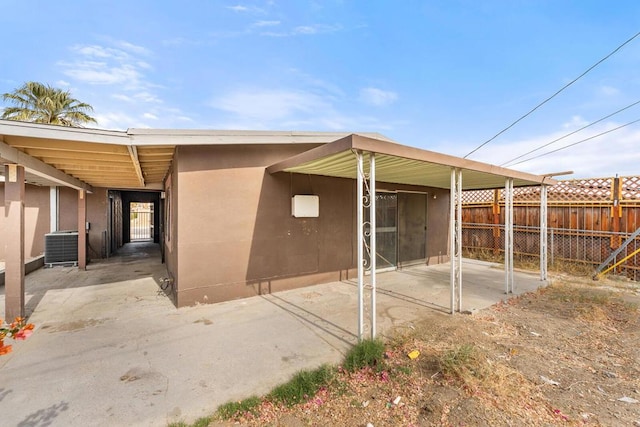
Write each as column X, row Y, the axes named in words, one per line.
column 171, row 137
column 377, row 146
column 316, row 153
column 36, row 130
column 365, row 143
column 41, row 169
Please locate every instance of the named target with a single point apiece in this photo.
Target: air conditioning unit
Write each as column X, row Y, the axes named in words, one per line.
column 61, row 247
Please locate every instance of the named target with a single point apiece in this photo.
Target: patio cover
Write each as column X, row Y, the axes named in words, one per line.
column 394, row 163
column 401, row 164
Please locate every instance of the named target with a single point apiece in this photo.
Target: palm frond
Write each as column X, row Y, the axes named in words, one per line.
column 40, row 103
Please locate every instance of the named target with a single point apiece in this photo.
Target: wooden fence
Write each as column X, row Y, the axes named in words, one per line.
column 587, row 219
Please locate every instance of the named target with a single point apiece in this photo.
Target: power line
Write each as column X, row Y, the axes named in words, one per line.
column 578, row 142
column 570, row 133
column 552, row 96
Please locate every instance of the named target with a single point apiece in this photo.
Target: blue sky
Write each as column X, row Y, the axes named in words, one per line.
column 440, row 75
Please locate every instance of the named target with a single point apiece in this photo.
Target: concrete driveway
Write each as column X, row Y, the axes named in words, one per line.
column 110, row 349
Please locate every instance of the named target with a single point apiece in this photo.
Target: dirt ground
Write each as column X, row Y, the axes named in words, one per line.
column 568, row 354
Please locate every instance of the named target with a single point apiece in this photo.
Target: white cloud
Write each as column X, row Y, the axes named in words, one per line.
column 265, row 24
column 100, row 73
column 575, row 123
column 117, row 74
column 609, row 90
column 122, row 97
column 304, row 30
column 108, row 65
column 318, row 106
column 116, row 121
column 377, row 97
column 141, row 50
column 147, row 97
column 590, row 159
column 239, row 8
column 63, row 83
column 269, row 104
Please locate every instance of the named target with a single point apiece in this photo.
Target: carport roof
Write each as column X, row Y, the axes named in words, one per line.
column 401, row 164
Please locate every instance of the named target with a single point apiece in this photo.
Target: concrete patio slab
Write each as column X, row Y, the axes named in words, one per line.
column 110, row 348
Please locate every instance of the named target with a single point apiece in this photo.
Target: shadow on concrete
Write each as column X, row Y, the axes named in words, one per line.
column 403, row 297
column 312, row 319
column 3, row 393
column 44, row 417
column 424, row 273
column 133, row 260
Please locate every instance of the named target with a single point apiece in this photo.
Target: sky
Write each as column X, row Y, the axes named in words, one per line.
column 441, row 75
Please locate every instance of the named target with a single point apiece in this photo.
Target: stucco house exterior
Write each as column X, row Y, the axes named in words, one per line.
column 236, row 213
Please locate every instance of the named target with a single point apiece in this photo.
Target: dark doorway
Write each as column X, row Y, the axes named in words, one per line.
column 134, row 216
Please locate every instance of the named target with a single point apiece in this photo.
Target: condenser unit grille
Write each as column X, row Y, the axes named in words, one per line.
column 61, row 247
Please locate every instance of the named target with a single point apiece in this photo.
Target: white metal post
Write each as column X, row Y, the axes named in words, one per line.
column 459, row 237
column 53, row 209
column 507, row 234
column 455, row 239
column 452, row 238
column 511, row 281
column 543, row 232
column 372, row 238
column 359, row 243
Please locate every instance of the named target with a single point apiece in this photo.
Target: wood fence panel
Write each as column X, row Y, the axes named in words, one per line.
column 586, row 218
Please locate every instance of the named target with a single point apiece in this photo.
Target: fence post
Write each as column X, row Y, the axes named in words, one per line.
column 543, row 232
column 551, row 247
column 616, row 212
column 495, row 208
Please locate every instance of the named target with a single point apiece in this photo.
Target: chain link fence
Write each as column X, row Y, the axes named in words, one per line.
column 576, row 251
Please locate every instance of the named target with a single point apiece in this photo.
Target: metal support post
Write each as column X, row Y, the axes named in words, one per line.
column 508, row 235
column 455, row 239
column 543, row 233
column 372, row 238
column 459, row 237
column 359, row 242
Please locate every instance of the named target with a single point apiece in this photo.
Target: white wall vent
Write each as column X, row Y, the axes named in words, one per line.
column 305, row 206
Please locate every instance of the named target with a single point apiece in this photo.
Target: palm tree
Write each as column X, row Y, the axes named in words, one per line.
column 39, row 103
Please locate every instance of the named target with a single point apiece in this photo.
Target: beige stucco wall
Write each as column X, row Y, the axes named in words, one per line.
column 96, row 216
column 37, row 217
column 171, row 227
column 36, row 220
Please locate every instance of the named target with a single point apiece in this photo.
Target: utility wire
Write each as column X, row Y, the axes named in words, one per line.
column 569, row 134
column 579, row 142
column 552, row 96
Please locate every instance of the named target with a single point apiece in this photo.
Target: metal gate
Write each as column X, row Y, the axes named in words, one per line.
column 141, row 222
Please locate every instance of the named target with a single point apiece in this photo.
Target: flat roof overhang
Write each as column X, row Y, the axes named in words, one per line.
column 83, row 158
column 401, row 164
column 139, row 159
